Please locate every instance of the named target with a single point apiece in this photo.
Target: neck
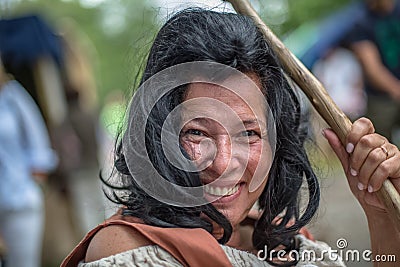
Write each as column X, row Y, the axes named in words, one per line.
column 236, row 240
column 242, row 238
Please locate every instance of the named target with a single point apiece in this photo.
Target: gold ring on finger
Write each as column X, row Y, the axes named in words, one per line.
column 384, row 149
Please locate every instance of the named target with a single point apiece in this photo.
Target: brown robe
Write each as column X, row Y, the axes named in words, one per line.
column 191, row 247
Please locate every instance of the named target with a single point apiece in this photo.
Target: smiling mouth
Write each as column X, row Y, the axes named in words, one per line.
column 221, row 191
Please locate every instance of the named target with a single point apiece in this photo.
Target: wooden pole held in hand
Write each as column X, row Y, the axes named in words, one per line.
column 319, row 98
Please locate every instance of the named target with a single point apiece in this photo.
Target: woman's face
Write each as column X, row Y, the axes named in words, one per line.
column 226, row 137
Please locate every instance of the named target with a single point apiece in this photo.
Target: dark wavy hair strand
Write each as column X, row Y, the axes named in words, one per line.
column 233, row 40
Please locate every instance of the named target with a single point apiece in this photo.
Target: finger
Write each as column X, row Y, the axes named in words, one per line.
column 343, row 156
column 374, row 159
column 360, row 127
column 388, row 168
column 337, row 147
column 367, row 156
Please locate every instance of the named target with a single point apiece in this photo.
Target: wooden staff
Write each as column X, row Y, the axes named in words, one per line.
column 319, row 98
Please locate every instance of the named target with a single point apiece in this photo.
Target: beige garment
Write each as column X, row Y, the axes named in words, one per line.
column 153, row 255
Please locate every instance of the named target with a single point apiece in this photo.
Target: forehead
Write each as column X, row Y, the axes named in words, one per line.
column 240, row 93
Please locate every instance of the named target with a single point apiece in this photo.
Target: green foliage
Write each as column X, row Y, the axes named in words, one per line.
column 121, row 30
column 301, row 11
column 298, row 12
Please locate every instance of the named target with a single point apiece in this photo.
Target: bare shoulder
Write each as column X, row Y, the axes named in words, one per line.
column 112, row 240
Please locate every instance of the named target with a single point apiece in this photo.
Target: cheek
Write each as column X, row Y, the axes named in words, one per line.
column 256, row 157
column 192, row 149
column 259, row 164
column 256, row 168
column 199, row 151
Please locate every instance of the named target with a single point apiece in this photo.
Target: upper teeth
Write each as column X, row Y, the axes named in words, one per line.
column 221, row 191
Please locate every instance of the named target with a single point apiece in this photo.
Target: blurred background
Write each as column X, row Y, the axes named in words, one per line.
column 79, row 60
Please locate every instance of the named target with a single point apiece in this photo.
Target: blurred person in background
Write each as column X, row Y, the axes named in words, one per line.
column 375, row 40
column 25, row 159
column 341, row 74
column 54, row 64
column 83, row 120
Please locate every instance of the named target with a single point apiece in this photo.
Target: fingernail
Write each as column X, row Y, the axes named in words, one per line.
column 349, row 147
column 353, row 172
column 360, row 186
column 323, row 133
column 370, row 189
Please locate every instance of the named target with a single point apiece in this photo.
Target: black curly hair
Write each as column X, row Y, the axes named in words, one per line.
column 232, row 40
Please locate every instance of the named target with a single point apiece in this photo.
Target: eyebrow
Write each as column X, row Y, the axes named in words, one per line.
column 199, row 120
column 249, row 122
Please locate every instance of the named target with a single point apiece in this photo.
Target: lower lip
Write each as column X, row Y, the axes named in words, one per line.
column 224, row 199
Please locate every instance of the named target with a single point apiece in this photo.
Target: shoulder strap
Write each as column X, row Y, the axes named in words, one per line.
column 191, row 247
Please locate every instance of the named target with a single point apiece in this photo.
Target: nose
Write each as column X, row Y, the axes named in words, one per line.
column 225, row 161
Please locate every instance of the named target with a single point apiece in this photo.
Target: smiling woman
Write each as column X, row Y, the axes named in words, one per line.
column 212, row 158
column 235, row 145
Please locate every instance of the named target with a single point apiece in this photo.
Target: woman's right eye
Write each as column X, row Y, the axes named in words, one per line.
column 194, row 132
